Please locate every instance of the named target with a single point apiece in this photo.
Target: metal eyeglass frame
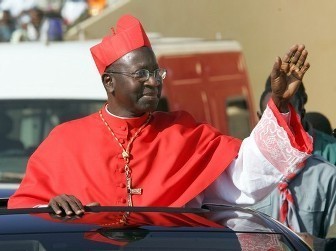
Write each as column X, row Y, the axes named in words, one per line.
column 155, row 73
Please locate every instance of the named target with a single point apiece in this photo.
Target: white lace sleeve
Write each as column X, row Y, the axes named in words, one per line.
column 273, row 142
column 263, row 160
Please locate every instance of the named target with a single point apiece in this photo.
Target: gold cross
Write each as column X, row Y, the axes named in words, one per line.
column 132, row 191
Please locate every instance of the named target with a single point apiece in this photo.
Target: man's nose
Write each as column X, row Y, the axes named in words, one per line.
column 153, row 81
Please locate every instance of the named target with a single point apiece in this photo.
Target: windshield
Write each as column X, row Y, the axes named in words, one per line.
column 25, row 123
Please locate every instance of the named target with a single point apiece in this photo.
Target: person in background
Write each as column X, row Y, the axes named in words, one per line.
column 53, row 21
column 17, row 7
column 54, row 26
column 31, row 28
column 74, row 11
column 54, row 6
column 324, row 144
column 7, row 26
column 96, row 6
column 129, row 154
column 319, row 122
column 304, row 201
column 39, row 26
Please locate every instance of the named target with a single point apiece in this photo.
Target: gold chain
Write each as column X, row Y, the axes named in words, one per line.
column 126, row 156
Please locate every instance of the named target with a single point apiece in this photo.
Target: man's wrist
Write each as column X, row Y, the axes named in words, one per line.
column 281, row 104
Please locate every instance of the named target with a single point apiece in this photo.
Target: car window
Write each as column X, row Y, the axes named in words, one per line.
column 238, row 116
column 26, row 123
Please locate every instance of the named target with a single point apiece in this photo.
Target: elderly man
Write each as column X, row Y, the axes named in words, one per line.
column 128, row 154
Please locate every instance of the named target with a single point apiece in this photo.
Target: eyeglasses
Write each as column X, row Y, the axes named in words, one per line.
column 143, row 75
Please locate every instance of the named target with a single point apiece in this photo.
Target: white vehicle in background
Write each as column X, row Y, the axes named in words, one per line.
column 41, row 87
column 45, row 85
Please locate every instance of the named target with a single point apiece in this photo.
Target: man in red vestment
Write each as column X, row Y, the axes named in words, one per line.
column 128, row 154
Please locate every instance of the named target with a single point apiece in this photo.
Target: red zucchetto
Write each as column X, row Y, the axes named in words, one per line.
column 128, row 36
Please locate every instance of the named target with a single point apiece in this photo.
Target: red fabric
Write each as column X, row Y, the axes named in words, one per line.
column 300, row 140
column 143, row 219
column 173, row 160
column 112, row 219
column 128, row 36
column 283, row 187
column 287, row 206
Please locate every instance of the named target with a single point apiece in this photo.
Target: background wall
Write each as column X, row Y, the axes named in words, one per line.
column 265, row 29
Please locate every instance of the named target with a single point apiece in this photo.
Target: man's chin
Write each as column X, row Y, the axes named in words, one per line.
column 149, row 102
column 145, row 108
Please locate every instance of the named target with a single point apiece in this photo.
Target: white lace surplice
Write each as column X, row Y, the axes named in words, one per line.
column 264, row 159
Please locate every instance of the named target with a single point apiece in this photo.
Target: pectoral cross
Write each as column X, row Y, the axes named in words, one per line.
column 131, row 191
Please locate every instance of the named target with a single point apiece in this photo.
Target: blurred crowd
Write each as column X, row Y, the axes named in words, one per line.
column 43, row 20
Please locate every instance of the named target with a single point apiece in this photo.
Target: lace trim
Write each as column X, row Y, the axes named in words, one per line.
column 274, row 144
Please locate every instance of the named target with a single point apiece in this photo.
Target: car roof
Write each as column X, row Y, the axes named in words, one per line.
column 147, row 226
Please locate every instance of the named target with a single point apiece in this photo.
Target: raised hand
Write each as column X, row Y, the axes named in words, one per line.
column 287, row 75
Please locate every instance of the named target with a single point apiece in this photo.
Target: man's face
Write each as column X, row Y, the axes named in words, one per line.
column 130, row 97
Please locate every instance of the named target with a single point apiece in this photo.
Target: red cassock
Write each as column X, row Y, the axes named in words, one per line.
column 173, row 159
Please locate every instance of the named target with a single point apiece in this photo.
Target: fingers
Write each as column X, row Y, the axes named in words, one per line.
column 302, row 59
column 67, row 204
column 304, row 68
column 287, row 75
column 65, row 218
column 294, row 61
column 297, row 53
column 299, row 65
column 299, row 72
column 287, row 59
column 276, row 68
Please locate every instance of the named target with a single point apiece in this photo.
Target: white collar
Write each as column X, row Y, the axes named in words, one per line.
column 116, row 115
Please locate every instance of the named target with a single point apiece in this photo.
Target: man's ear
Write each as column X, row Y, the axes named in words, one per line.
column 108, row 83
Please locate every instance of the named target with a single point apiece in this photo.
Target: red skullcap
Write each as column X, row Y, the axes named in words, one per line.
column 129, row 35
